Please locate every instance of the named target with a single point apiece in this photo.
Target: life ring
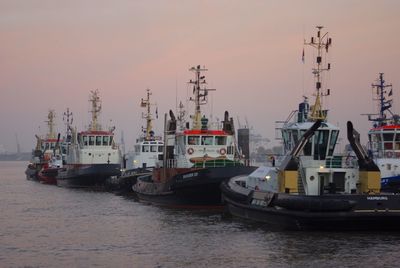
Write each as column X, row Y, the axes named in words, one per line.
column 222, row 151
column 190, row 151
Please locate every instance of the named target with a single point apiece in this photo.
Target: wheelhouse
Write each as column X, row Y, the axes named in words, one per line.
column 384, row 141
column 149, row 147
column 320, row 146
column 96, row 138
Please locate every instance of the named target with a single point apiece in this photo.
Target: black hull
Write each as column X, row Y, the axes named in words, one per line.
column 363, row 212
column 124, row 183
column 198, row 188
column 86, row 175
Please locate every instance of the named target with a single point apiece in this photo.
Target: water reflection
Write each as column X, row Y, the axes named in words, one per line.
column 46, row 226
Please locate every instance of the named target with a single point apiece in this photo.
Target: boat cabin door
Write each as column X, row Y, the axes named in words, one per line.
column 323, row 181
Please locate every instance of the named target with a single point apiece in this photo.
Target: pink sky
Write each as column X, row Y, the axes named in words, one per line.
column 52, row 53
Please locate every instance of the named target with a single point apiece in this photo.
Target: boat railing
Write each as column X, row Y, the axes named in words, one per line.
column 218, row 163
column 386, row 154
column 337, row 161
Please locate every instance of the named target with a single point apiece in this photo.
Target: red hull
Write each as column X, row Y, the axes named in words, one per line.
column 48, row 176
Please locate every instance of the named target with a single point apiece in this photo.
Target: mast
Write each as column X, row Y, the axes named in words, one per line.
column 385, row 103
column 67, row 118
column 200, row 93
column 321, row 42
column 50, row 124
column 148, row 116
column 181, row 116
column 94, row 99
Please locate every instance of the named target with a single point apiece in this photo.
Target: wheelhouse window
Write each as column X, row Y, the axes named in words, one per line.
column 193, row 140
column 85, row 140
column 145, row 148
column 207, row 140
column 153, row 148
column 106, row 141
column 332, row 142
column 91, row 140
column 321, row 144
column 388, row 140
column 295, row 136
column 98, row 140
column 111, row 140
column 160, row 149
column 397, row 141
column 220, row 140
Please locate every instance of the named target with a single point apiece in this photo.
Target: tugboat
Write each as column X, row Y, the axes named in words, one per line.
column 384, row 137
column 196, row 158
column 48, row 173
column 313, row 189
column 44, row 151
column 92, row 155
column 148, row 151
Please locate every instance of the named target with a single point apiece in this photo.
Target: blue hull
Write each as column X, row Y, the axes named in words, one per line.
column 86, row 175
column 391, row 184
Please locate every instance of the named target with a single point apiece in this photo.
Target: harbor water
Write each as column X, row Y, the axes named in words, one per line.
column 50, row 226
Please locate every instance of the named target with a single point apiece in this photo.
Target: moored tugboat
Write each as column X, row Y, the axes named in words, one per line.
column 196, row 159
column 147, row 153
column 44, row 151
column 313, row 189
column 384, row 137
column 92, row 155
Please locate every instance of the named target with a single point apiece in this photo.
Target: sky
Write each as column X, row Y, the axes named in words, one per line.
column 53, row 53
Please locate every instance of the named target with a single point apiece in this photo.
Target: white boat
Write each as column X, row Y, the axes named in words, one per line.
column 313, row 188
column 92, row 155
column 384, row 137
column 148, row 147
column 146, row 155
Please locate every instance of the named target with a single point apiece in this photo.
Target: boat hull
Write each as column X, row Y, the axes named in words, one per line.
column 48, row 176
column 391, row 184
column 125, row 182
column 86, row 175
column 188, row 188
column 363, row 212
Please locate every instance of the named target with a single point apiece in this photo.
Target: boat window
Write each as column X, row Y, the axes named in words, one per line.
column 321, row 144
column 332, row 142
column 160, row 149
column 52, row 145
column 285, row 140
column 137, row 148
column 207, row 140
column 98, row 140
column 220, row 140
column 308, row 147
column 105, row 140
column 193, row 140
column 91, row 140
column 388, row 137
column 295, row 136
column 145, row 148
column 85, row 140
column 397, row 141
column 153, row 148
column 111, row 140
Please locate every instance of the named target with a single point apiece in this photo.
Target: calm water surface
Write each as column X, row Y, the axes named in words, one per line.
column 49, row 226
